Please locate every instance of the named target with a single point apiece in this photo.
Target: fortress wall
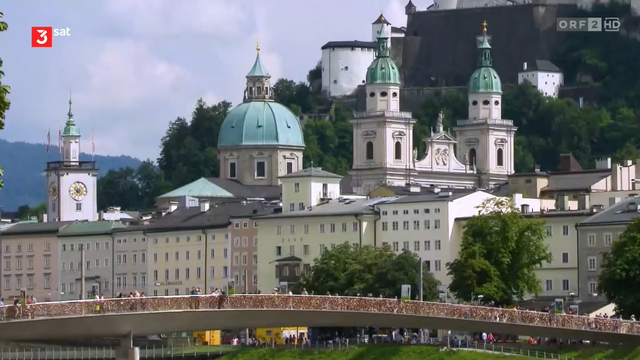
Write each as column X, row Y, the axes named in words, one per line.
column 440, row 45
column 397, row 44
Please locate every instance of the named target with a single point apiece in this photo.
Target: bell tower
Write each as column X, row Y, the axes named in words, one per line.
column 71, row 183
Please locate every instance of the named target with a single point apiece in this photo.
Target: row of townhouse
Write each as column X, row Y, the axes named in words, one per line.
column 205, row 246
column 430, row 222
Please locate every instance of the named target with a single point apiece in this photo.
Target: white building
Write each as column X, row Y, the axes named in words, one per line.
column 481, row 154
column 344, row 63
column 424, row 224
column 543, row 75
column 465, row 4
column 71, row 184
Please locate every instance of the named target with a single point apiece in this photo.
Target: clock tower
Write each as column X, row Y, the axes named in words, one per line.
column 71, row 183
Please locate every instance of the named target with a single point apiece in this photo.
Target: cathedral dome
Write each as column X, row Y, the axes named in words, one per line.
column 261, row 123
column 484, row 79
column 383, row 70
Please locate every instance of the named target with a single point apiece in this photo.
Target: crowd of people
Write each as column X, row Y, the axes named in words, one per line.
column 220, row 300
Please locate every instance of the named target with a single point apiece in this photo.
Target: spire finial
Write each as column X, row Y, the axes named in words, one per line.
column 70, row 113
column 484, row 27
column 258, row 45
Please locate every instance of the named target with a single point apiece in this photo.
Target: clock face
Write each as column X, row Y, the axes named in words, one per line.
column 78, row 191
column 53, row 191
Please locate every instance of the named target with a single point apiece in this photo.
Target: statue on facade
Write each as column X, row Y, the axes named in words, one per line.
column 415, row 154
column 466, row 159
column 440, row 118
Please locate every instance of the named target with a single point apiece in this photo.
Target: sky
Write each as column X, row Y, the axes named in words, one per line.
column 134, row 66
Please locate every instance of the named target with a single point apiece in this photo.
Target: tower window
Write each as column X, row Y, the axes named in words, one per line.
column 261, row 169
column 266, row 91
column 78, row 206
column 289, row 167
column 496, row 103
column 472, row 157
column 474, row 103
column 259, row 91
column 233, row 170
column 398, row 150
column 500, row 157
column 394, row 94
column 485, row 102
column 371, row 94
column 369, row 150
column 250, row 90
column 383, row 94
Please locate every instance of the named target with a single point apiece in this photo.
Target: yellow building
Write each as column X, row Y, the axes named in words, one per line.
column 277, row 335
column 314, row 218
column 189, row 247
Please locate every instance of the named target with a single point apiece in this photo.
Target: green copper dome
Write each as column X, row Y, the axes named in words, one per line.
column 383, row 70
column 70, row 126
column 484, row 79
column 261, row 123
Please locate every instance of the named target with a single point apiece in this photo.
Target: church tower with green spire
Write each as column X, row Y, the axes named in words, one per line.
column 71, row 182
column 485, row 140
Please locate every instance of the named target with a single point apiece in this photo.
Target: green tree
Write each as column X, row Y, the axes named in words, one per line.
column 119, row 188
column 27, row 213
column 346, row 270
column 620, row 277
column 5, row 90
column 499, row 252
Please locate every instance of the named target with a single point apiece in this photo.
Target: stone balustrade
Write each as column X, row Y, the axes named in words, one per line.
column 327, row 303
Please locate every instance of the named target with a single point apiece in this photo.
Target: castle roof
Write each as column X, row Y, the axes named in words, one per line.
column 350, row 44
column 381, row 20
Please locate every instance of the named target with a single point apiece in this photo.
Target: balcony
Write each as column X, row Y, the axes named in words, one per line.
column 485, row 121
column 89, row 165
column 388, row 114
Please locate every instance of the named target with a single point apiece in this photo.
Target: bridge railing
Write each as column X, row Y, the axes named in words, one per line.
column 301, row 302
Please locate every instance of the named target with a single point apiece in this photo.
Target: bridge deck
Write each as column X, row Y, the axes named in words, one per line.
column 153, row 315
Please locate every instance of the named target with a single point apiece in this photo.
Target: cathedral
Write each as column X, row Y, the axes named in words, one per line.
column 478, row 154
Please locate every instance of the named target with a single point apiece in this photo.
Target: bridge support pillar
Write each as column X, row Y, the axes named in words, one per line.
column 127, row 351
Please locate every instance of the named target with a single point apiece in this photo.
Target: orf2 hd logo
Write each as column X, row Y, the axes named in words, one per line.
column 41, row 37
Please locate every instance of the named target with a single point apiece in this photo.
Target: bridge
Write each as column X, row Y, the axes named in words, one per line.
column 154, row 315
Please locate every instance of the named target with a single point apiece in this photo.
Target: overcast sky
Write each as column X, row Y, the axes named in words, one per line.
column 133, row 66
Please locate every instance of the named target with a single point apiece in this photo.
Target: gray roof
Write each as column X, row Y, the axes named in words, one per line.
column 570, row 182
column 242, row 191
column 218, row 216
column 621, row 213
column 32, row 228
column 542, row 65
column 316, row 172
column 336, row 207
column 432, row 197
column 350, row 44
column 423, row 190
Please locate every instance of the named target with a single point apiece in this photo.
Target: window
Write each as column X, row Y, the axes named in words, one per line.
column 593, row 288
column 385, row 226
column 565, row 230
column 397, row 153
column 30, row 247
column 405, row 245
column 416, row 246
column 97, row 263
column 47, row 246
column 332, row 228
column 355, row 226
column 394, row 225
column 261, row 169
column 396, row 246
column 176, row 274
column 591, row 263
column 591, row 240
column 437, row 265
column 78, row 206
column 296, row 187
column 548, row 230
column 436, row 224
column 233, row 170
column 427, row 224
column 565, row 257
column 278, row 250
column 47, row 262
column 278, row 229
column 30, row 263
column 427, row 245
column 292, row 207
column 395, row 212
column 500, row 157
column 292, row 250
column 416, row 224
column 438, row 245
column 548, row 285
column 47, row 281
column 322, row 248
column 344, row 227
column 322, row 228
column 289, row 167
column 565, row 284
column 325, row 190
column 7, row 284
column 472, row 158
column 405, row 225
column 292, row 229
column 607, row 239
column 369, row 150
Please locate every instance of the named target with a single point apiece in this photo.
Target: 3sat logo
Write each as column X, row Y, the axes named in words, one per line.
column 42, row 36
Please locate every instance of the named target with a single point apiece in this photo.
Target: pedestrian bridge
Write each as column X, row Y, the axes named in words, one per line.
column 155, row 315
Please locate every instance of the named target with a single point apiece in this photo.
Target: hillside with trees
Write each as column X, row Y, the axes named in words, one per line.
column 546, row 127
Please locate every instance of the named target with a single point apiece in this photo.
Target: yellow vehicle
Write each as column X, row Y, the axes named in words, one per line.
column 209, row 337
column 278, row 335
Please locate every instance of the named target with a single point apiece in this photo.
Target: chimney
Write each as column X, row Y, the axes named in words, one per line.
column 562, row 202
column 603, row 163
column 204, row 205
column 583, row 201
column 524, row 66
column 524, row 208
column 173, row 206
column 568, row 163
column 536, row 168
column 101, row 215
column 413, row 188
column 43, row 218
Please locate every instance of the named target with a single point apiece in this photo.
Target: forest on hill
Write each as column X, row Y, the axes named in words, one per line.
column 546, row 127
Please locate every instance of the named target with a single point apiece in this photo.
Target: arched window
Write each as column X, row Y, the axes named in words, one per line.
column 500, row 157
column 472, row 157
column 398, row 151
column 250, row 90
column 369, row 150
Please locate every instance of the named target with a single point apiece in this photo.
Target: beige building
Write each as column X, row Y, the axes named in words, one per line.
column 88, row 245
column 188, row 247
column 289, row 241
column 130, row 260
column 30, row 258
